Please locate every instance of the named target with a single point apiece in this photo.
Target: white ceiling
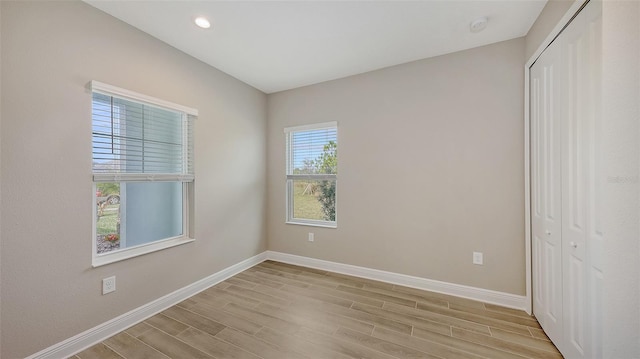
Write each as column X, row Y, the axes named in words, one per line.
column 279, row 45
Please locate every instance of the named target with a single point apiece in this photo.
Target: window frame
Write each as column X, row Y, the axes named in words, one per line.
column 290, row 177
column 100, row 259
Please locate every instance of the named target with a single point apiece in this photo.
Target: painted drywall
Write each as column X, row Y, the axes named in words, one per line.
column 0, row 182
column 621, row 114
column 430, row 168
column 50, row 52
column 550, row 16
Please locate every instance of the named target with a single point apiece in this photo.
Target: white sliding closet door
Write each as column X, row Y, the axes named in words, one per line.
column 566, row 186
column 581, row 185
column 546, row 194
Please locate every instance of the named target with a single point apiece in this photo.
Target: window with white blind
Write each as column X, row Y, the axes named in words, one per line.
column 311, row 174
column 142, row 172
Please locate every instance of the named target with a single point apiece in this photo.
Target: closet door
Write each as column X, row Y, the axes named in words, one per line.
column 546, row 211
column 595, row 187
column 581, row 166
column 566, row 186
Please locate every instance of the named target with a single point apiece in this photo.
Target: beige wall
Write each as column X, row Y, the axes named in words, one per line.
column 430, row 168
column 621, row 111
column 50, row 51
column 550, row 16
column 0, row 183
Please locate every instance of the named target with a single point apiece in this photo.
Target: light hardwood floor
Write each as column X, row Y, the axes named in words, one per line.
column 277, row 310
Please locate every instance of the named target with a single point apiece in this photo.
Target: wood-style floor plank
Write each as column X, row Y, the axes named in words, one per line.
column 463, row 344
column 319, row 295
column 504, row 345
column 438, row 318
column 445, row 297
column 280, row 277
column 381, row 345
column 526, row 321
column 314, row 323
column 138, row 329
column 497, row 308
column 409, row 296
column 297, row 345
column 257, row 346
column 259, row 281
column 330, row 279
column 166, row 324
column 99, row 351
column 539, row 334
column 377, row 296
column 225, row 318
column 262, row 318
column 217, row 294
column 433, row 326
column 330, row 315
column 170, row 345
column 364, row 317
column 278, row 310
column 476, row 318
column 195, row 320
column 298, row 268
column 235, row 281
column 129, row 347
column 426, row 346
column 541, row 344
column 275, row 276
column 260, row 296
column 364, row 281
column 211, row 300
column 213, row 346
column 346, row 347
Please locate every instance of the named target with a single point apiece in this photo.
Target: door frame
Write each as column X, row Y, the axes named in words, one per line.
column 564, row 21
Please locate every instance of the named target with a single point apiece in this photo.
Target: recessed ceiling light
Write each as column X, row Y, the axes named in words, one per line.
column 202, row 22
column 478, row 24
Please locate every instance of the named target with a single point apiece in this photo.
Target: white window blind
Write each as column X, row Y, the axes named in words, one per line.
column 137, row 140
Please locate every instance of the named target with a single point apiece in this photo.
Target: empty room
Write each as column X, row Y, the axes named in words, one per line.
column 320, row 179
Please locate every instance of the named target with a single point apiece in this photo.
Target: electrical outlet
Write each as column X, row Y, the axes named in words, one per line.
column 311, row 237
column 108, row 285
column 477, row 258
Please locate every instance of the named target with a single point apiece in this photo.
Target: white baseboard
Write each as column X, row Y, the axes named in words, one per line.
column 105, row 330
column 479, row 294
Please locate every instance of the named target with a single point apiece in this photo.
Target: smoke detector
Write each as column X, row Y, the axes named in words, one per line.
column 478, row 24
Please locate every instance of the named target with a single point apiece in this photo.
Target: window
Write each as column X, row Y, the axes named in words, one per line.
column 312, row 169
column 142, row 173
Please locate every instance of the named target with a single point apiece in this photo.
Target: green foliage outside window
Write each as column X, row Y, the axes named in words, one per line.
column 327, row 163
column 106, row 189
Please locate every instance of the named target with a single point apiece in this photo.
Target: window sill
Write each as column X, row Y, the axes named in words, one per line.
column 314, row 224
column 120, row 255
